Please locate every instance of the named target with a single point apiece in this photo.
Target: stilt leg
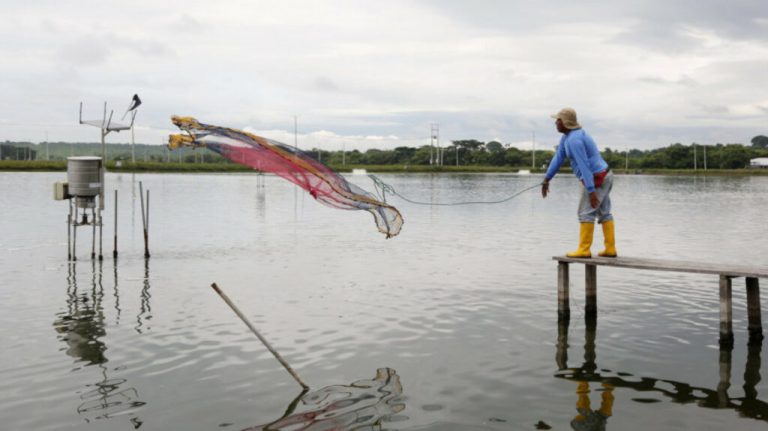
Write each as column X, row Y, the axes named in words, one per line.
column 563, row 305
column 590, row 307
column 753, row 311
column 726, row 312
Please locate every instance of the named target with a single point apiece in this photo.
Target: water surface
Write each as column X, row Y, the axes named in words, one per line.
column 450, row 325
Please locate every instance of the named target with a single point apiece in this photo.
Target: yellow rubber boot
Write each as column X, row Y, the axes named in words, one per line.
column 585, row 241
column 610, row 240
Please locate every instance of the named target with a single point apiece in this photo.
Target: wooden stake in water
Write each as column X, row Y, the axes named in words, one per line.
column 144, row 219
column 114, row 250
column 262, row 339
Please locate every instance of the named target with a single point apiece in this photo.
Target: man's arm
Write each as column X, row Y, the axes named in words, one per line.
column 553, row 167
column 579, row 155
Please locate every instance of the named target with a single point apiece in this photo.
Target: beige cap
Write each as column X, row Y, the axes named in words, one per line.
column 568, row 115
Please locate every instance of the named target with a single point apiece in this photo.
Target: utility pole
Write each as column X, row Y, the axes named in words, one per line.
column 533, row 152
column 705, row 157
column 457, row 153
column 694, row 156
column 434, row 141
column 626, row 160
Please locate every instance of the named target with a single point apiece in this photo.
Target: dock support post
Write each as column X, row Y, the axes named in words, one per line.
column 590, row 307
column 755, row 325
column 726, row 312
column 563, row 305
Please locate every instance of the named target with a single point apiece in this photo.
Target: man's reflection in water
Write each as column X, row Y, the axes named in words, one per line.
column 359, row 405
column 718, row 398
column 81, row 326
column 586, row 419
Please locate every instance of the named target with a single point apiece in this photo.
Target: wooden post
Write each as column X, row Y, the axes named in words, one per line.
column 726, row 312
column 590, row 307
column 93, row 238
column 74, row 235
column 69, row 231
column 114, row 250
column 563, row 306
column 101, row 233
column 755, row 325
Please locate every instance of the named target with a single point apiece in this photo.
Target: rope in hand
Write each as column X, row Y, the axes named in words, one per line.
column 382, row 188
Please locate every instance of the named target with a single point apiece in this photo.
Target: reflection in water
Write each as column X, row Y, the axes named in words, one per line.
column 586, row 418
column 748, row 406
column 360, row 405
column 81, row 326
column 261, row 199
column 145, row 309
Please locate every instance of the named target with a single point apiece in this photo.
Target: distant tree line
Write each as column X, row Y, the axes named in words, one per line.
column 461, row 152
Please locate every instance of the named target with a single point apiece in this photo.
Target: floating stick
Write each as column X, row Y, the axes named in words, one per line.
column 262, row 339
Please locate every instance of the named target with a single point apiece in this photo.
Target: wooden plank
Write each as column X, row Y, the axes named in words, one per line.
column 563, row 305
column 755, row 326
column 726, row 312
column 671, row 265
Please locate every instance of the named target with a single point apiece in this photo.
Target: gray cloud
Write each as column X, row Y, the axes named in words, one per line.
column 324, row 83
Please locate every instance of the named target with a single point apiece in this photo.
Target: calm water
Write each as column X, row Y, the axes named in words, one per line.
column 450, row 326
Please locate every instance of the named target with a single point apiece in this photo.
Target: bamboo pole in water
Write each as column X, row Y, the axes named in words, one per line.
column 144, row 219
column 114, row 251
column 262, row 339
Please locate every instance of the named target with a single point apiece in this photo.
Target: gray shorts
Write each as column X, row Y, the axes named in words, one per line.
column 602, row 213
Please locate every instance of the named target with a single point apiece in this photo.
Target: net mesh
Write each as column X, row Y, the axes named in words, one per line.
column 267, row 155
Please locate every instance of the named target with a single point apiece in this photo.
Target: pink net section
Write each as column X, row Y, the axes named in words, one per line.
column 266, row 155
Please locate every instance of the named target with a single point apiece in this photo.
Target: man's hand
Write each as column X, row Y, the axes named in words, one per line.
column 544, row 188
column 593, row 200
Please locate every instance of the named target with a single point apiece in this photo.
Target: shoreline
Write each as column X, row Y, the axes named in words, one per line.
column 161, row 167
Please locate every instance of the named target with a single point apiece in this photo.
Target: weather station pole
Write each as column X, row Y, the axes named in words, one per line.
column 133, row 148
column 105, row 126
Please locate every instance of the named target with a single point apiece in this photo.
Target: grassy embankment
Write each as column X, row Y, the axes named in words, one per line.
column 60, row 165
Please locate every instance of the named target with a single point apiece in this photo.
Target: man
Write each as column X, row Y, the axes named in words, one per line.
column 595, row 176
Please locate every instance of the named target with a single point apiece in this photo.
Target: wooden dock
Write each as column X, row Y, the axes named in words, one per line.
column 726, row 274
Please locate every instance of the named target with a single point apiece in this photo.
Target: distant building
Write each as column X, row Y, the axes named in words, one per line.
column 760, row 162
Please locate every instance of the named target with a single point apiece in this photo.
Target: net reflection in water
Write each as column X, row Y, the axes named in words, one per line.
column 359, row 405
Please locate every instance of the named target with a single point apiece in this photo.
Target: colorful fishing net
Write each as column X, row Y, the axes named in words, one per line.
column 266, row 155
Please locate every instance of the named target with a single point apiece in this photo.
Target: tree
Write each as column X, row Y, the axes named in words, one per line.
column 734, row 156
column 760, row 141
column 494, row 147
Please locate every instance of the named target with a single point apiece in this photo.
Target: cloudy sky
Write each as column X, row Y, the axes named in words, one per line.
column 362, row 74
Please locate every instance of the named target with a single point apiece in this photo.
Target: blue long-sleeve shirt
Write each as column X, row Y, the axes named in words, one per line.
column 586, row 160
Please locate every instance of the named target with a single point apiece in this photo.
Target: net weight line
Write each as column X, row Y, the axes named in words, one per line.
column 382, row 188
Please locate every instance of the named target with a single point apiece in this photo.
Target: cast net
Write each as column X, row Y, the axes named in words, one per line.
column 266, row 155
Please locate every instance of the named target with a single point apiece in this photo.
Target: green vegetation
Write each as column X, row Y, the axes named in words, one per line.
column 462, row 156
